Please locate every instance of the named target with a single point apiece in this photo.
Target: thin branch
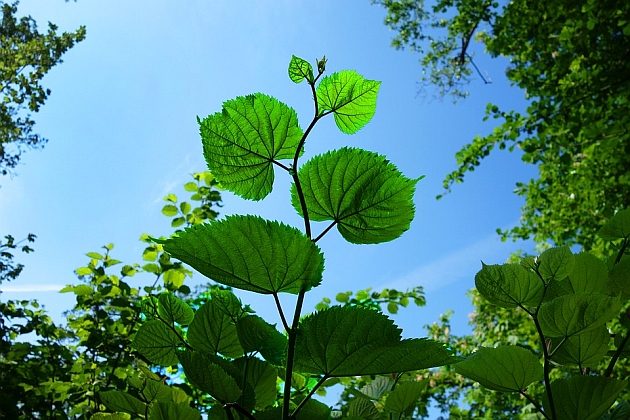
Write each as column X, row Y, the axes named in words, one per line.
column 237, row 407
column 321, row 235
column 483, row 78
column 281, row 312
column 533, row 401
column 613, row 361
column 310, row 394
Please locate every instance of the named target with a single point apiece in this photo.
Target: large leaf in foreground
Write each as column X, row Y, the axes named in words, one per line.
column 584, row 397
column 255, row 334
column 241, row 142
column 250, row 253
column 350, row 97
column 509, row 285
column 157, row 342
column 505, row 368
column 618, row 227
column 584, row 350
column 570, row 314
column 367, row 196
column 349, row 341
column 209, row 377
column 214, row 331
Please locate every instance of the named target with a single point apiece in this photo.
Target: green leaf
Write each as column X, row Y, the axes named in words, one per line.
column 351, row 98
column 584, row 397
column 171, row 198
column 350, row 341
column 94, row 255
column 584, row 350
column 300, row 69
column 241, row 143
column 110, row 416
column 191, row 186
column 571, row 314
column 83, row 271
column 555, row 263
column 214, row 331
column 509, row 285
column 589, row 274
column 250, row 253
column 368, row 198
column 170, row 210
column 209, row 377
column 619, row 278
column 174, row 277
column 362, row 408
column 122, row 401
column 178, row 221
column 255, row 334
column 157, row 342
column 156, row 390
column 173, row 309
column 79, row 289
column 185, row 207
column 262, row 377
column 505, row 368
column 169, row 411
column 402, row 400
column 618, row 227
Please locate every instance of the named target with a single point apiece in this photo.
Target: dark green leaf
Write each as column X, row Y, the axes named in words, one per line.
column 362, row 408
column 350, row 341
column 169, row 411
column 366, row 195
column 156, row 390
column 589, row 274
column 402, row 400
column 300, row 69
column 157, row 342
column 618, row 227
column 619, row 278
column 556, row 263
column 209, row 377
column 584, row 397
column 255, row 334
column 214, row 331
column 351, row 98
column 262, row 377
column 121, row 401
column 241, row 142
column 505, row 368
column 173, row 309
column 570, row 314
column 584, row 350
column 250, row 253
column 509, row 285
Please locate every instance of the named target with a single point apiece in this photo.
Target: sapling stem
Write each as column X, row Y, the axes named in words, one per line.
column 310, row 394
column 281, row 313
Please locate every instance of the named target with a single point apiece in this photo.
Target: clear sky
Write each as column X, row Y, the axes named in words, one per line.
column 122, row 127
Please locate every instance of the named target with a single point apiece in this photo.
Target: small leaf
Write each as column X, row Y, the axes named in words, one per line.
column 157, row 342
column 173, row 309
column 368, row 198
column 350, row 341
column 209, row 377
column 241, row 143
column 171, row 198
column 351, row 98
column 556, row 263
column 122, row 401
column 94, row 255
column 191, row 186
column 571, row 314
column 392, row 308
column 300, row 69
column 170, row 210
column 403, row 399
column 509, row 285
column 618, row 227
column 584, row 397
column 584, row 350
column 214, row 331
column 250, row 253
column 255, row 334
column 505, row 368
column 169, row 411
column 83, row 271
column 178, row 221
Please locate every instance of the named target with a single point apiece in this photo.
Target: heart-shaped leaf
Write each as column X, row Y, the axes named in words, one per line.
column 300, row 69
column 618, row 227
column 509, row 285
column 584, row 397
column 173, row 309
column 214, row 331
column 157, row 342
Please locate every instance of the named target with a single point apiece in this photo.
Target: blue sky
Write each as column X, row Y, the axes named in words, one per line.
column 122, row 127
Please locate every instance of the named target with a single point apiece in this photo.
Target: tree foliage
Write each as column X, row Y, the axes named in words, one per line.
column 26, row 55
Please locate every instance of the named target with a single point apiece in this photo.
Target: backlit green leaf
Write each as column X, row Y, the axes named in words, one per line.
column 509, row 285
column 589, row 274
column 584, row 350
column 157, row 342
column 584, row 397
column 556, row 263
column 349, row 341
column 402, row 400
column 571, row 314
column 366, row 195
column 173, row 309
column 169, row 411
column 209, row 377
column 255, row 334
column 618, row 227
column 300, row 69
column 122, row 401
column 351, row 98
column 170, row 210
column 241, row 142
column 619, row 278
column 250, row 253
column 214, row 331
column 262, row 377
column 505, row 368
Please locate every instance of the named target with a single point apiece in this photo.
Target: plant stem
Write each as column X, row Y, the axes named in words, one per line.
column 613, row 361
column 281, row 312
column 321, row 235
column 310, row 394
column 291, row 354
column 622, row 250
column 238, row 408
column 533, row 401
column 546, row 367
